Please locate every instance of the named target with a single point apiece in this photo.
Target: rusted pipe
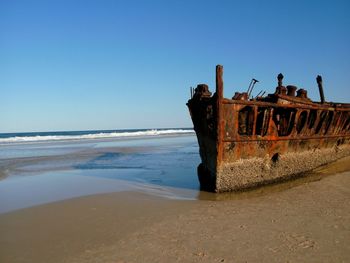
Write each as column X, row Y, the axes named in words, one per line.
column 251, row 86
column 219, row 82
column 320, row 88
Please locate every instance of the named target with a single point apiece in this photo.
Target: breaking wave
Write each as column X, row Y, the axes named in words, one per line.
column 93, row 135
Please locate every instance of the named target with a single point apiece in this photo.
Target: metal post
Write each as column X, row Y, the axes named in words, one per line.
column 320, row 88
column 219, row 82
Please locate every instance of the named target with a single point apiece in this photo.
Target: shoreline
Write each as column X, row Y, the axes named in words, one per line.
column 96, row 140
column 306, row 222
column 81, row 150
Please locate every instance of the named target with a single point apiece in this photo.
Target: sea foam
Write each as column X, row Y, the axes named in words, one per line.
column 101, row 135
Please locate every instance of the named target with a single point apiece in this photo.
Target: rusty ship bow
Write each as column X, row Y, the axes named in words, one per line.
column 245, row 142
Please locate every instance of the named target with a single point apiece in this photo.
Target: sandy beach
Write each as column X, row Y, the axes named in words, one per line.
column 174, row 131
column 291, row 222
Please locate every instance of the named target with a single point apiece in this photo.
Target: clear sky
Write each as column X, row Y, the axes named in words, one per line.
column 80, row 65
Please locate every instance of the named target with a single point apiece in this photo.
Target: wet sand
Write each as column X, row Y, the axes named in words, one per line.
column 306, row 222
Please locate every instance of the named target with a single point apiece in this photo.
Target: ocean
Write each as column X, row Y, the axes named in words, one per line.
column 91, row 134
column 43, row 167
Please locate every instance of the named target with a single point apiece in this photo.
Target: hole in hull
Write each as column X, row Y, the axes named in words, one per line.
column 275, row 158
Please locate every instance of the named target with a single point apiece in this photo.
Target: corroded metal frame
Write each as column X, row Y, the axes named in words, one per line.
column 218, row 120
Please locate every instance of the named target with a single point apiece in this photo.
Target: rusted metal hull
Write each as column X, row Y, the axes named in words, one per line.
column 244, row 143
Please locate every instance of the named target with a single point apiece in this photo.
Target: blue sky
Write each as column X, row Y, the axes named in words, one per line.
column 80, row 65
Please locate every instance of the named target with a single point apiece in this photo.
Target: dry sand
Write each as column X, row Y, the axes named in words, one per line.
column 309, row 222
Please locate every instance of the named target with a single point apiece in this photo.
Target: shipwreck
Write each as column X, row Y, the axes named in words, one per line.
column 245, row 142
